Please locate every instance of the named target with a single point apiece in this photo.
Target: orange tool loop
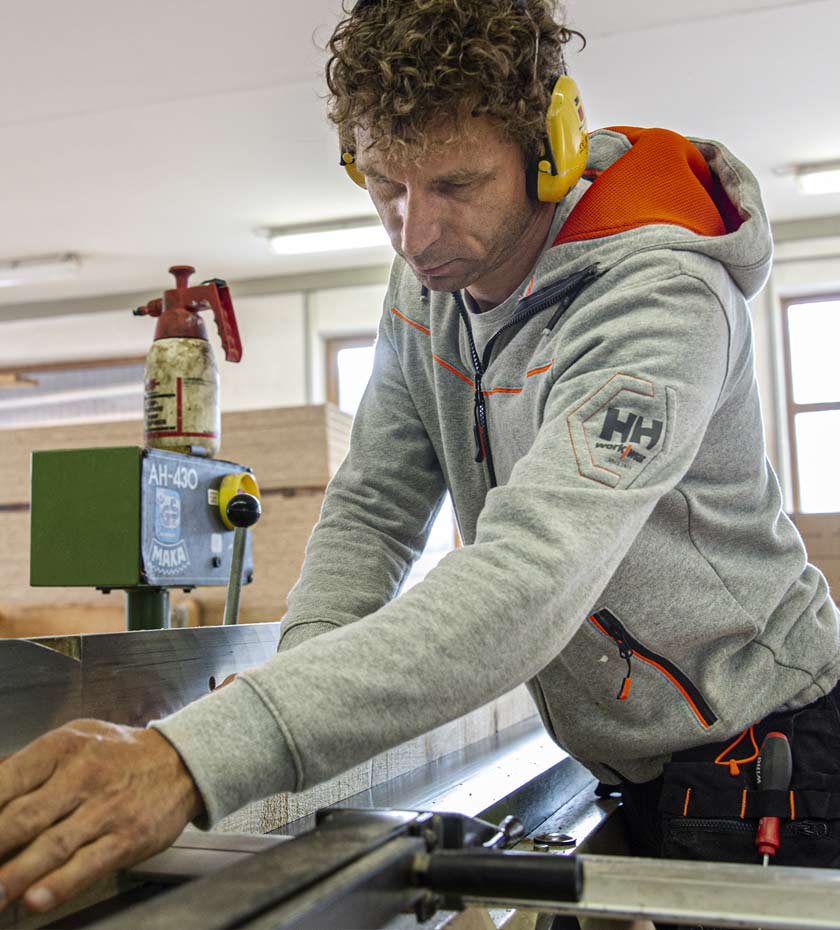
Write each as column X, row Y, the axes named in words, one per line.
column 734, row 764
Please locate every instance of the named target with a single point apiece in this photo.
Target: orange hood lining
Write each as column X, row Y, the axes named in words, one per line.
column 663, row 178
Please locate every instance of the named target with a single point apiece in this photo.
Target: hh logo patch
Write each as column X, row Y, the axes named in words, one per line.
column 618, row 429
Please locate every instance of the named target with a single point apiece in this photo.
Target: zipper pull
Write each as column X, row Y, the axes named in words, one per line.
column 479, row 446
column 617, row 633
column 624, row 691
column 478, row 431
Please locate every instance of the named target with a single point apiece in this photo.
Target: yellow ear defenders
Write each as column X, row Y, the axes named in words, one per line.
column 565, row 148
column 563, row 152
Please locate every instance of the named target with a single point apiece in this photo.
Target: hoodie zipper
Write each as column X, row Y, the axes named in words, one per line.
column 561, row 293
column 628, row 646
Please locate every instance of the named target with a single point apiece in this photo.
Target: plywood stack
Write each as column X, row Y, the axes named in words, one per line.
column 293, row 452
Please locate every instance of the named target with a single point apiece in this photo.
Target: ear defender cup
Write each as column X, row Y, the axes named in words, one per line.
column 563, row 153
column 348, row 162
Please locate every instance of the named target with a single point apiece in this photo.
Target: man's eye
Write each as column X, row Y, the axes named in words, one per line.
column 456, row 186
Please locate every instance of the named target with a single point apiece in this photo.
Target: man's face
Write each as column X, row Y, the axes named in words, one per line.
column 457, row 213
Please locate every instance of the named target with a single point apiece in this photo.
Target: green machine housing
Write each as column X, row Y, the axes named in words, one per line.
column 140, row 519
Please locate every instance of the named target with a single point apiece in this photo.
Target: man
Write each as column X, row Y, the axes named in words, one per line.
column 579, row 375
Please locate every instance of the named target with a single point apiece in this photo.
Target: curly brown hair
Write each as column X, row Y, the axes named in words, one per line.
column 398, row 67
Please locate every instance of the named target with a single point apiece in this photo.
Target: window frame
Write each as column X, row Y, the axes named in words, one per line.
column 332, row 346
column 792, row 409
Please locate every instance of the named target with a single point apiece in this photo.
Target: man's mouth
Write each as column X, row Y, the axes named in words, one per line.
column 434, row 270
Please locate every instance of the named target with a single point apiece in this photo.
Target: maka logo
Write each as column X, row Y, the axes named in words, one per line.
column 168, row 555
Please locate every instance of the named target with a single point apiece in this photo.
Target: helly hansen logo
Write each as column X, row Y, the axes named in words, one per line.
column 630, row 428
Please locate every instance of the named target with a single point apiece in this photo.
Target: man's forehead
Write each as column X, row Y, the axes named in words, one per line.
column 445, row 148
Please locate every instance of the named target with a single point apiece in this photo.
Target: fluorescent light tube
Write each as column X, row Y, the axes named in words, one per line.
column 38, row 268
column 359, row 233
column 819, row 179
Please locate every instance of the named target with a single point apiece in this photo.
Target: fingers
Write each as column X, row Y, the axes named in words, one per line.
column 51, row 850
column 26, row 817
column 89, row 864
column 28, row 769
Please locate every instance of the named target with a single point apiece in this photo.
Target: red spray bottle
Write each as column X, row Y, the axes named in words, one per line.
column 181, row 398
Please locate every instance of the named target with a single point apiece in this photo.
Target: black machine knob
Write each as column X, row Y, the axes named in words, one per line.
column 243, row 510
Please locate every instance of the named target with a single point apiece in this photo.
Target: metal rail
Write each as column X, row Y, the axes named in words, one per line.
column 699, row 893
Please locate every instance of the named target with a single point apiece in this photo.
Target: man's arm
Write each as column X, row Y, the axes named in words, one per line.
column 377, row 512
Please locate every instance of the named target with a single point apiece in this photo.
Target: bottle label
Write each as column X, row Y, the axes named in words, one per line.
column 184, row 407
column 181, row 396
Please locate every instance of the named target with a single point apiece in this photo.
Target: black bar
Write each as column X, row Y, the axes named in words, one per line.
column 521, row 876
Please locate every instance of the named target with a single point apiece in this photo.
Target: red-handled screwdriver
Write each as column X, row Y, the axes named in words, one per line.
column 773, row 773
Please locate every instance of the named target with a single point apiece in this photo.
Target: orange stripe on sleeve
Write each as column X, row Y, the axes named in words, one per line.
column 405, row 319
column 538, row 371
column 792, row 807
column 687, row 799
column 743, row 803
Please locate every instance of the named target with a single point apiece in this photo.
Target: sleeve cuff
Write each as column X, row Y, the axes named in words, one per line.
column 234, row 749
column 299, row 632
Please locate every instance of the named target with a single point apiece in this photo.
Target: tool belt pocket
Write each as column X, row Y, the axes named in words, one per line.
column 708, row 814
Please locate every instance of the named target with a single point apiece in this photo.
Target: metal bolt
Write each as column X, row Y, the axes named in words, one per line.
column 548, row 840
column 427, row 907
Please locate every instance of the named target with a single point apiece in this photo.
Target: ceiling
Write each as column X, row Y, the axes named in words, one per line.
column 146, row 134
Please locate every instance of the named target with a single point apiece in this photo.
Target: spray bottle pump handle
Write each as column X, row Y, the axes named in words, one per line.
column 225, row 319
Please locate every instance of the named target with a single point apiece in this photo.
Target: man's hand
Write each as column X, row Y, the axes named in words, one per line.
column 84, row 800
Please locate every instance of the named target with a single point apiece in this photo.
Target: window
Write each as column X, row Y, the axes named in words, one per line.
column 71, row 392
column 349, row 366
column 811, row 333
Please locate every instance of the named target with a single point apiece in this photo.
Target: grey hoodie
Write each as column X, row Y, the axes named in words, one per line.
column 626, row 553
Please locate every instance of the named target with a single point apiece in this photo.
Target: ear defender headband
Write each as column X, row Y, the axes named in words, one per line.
column 563, row 151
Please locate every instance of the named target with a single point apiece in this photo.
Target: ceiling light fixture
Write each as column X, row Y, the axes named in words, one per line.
column 822, row 178
column 37, row 268
column 359, row 232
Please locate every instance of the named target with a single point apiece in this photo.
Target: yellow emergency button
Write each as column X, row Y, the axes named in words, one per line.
column 231, row 485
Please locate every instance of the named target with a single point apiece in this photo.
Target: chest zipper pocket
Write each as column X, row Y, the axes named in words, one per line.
column 610, row 626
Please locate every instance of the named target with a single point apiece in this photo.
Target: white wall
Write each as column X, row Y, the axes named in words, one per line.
column 272, row 372
column 71, row 338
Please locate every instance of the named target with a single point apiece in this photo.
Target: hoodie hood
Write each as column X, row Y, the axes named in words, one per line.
column 652, row 188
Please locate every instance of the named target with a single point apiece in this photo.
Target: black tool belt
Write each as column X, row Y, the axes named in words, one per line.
column 696, row 789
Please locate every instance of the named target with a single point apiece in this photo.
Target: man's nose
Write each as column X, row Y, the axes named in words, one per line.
column 421, row 225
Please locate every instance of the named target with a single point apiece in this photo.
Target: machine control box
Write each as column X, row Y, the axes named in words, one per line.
column 129, row 517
